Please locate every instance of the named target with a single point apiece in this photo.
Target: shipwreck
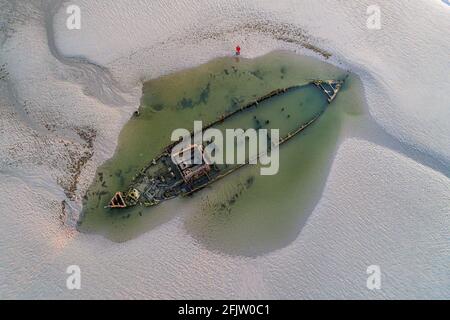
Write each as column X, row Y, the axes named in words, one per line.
column 164, row 178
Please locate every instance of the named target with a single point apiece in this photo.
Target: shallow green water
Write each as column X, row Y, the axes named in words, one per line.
column 245, row 213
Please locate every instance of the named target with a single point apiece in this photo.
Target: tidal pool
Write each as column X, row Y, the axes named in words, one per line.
column 244, row 213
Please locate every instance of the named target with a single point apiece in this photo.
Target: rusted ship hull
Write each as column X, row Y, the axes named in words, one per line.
column 163, row 179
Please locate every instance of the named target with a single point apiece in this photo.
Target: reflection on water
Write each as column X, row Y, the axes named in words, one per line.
column 245, row 213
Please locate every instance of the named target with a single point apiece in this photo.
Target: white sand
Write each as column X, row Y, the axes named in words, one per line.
column 378, row 206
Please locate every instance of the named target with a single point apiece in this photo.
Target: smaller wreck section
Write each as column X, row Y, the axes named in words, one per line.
column 117, row 201
column 189, row 167
column 329, row 87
